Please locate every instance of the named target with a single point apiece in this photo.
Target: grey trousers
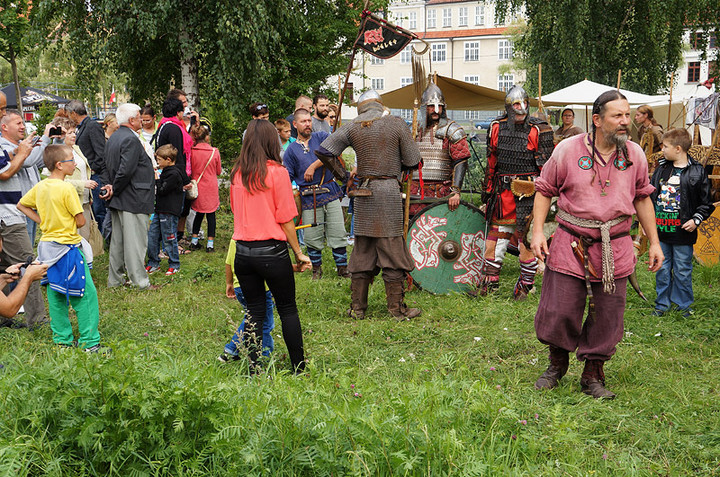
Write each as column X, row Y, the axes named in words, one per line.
column 16, row 248
column 333, row 229
column 128, row 247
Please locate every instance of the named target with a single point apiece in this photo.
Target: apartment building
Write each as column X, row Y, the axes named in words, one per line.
column 464, row 40
column 695, row 70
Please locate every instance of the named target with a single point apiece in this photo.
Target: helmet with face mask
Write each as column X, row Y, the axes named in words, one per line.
column 516, row 95
column 432, row 96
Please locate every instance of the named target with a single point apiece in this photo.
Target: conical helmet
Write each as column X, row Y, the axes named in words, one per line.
column 516, row 95
column 368, row 95
column 433, row 96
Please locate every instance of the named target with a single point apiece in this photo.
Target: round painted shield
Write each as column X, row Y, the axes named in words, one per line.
column 707, row 247
column 447, row 247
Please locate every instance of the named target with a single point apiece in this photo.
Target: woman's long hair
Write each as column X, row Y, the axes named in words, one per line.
column 645, row 109
column 261, row 145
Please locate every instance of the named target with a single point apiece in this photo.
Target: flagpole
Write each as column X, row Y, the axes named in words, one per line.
column 338, row 121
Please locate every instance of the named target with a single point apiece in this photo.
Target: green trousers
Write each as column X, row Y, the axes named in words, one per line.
column 88, row 314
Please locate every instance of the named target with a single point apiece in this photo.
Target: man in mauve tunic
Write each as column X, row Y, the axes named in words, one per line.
column 385, row 149
column 601, row 180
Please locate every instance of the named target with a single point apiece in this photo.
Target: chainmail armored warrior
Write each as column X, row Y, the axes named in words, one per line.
column 445, row 152
column 384, row 148
column 517, row 147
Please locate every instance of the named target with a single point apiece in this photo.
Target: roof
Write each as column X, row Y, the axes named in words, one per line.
column 585, row 92
column 430, row 35
column 459, row 95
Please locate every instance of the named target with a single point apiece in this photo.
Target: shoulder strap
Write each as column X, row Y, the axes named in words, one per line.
column 212, row 154
column 154, row 139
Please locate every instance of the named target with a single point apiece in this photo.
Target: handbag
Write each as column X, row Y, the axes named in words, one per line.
column 97, row 242
column 192, row 192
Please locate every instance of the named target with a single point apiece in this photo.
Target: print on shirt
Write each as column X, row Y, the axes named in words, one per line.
column 667, row 206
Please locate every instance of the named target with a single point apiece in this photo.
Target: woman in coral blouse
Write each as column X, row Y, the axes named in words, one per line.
column 264, row 208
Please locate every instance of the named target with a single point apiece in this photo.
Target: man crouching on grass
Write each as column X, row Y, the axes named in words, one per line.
column 601, row 180
column 24, row 275
column 67, row 254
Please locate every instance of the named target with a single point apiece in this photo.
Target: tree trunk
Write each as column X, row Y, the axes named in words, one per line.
column 13, row 66
column 188, row 70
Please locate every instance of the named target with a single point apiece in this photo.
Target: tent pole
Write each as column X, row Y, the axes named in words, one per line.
column 619, row 75
column 587, row 123
column 672, row 82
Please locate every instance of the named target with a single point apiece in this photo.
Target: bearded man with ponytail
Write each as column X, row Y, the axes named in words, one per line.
column 601, row 180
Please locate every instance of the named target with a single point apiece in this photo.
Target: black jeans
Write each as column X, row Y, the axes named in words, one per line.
column 258, row 263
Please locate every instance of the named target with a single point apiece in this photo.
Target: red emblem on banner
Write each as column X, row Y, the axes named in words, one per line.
column 373, row 36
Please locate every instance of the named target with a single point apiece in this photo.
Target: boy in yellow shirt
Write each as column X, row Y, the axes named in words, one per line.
column 54, row 204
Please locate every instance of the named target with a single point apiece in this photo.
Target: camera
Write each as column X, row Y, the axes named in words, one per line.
column 56, row 131
column 23, row 267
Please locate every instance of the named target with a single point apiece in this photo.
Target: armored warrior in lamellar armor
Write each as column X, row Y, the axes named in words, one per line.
column 384, row 148
column 517, row 147
column 445, row 152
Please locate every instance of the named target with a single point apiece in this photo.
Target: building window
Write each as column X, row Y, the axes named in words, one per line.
column 432, row 18
column 472, row 50
column 474, row 79
column 412, row 21
column 447, row 17
column 439, row 51
column 406, row 114
column 505, row 82
column 505, row 49
column 480, row 15
column 695, row 39
column 693, row 72
column 471, row 115
column 405, row 80
column 713, row 41
column 405, row 55
column 378, row 84
column 463, row 16
column 374, row 60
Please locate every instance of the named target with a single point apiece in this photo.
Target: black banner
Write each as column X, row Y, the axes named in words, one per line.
column 380, row 38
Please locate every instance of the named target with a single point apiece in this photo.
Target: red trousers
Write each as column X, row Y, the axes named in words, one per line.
column 559, row 319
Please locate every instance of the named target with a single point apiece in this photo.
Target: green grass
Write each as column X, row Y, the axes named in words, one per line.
column 449, row 393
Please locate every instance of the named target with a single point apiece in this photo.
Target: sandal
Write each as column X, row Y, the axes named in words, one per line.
column 182, row 251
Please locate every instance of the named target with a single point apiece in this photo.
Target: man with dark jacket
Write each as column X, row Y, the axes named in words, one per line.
column 130, row 194
column 91, row 141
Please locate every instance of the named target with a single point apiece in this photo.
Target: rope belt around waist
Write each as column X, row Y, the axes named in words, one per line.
column 608, row 261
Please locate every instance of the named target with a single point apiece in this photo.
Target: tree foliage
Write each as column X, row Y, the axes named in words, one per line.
column 593, row 39
column 245, row 50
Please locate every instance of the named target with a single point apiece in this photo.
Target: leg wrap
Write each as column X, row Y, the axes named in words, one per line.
column 340, row 256
column 527, row 272
column 315, row 256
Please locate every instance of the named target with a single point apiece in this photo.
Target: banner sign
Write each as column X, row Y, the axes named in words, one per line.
column 380, row 38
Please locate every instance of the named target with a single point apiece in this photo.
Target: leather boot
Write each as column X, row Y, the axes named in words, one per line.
column 592, row 381
column 317, row 272
column 359, row 287
column 342, row 271
column 559, row 362
column 395, row 302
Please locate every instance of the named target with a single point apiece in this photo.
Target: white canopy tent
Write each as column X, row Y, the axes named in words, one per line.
column 580, row 96
column 586, row 92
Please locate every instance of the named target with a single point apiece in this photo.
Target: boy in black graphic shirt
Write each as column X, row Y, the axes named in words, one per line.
column 682, row 200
